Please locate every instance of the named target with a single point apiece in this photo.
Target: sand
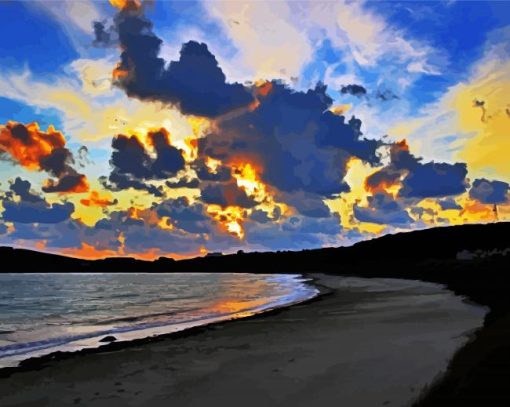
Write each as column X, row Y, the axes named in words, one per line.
column 370, row 342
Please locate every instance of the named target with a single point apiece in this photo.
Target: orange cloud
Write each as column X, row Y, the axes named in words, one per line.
column 126, row 4
column 230, row 218
column 95, row 199
column 264, row 88
column 119, row 73
column 44, row 151
column 68, row 184
column 28, row 145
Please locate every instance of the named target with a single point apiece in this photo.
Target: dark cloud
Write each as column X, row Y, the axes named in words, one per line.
column 56, row 162
column 435, row 180
column 104, row 36
column 183, row 183
column 385, row 95
column 481, row 104
column 294, row 233
column 195, row 82
column 307, row 204
column 169, row 160
column 298, row 144
column 83, row 157
column 419, row 180
column 192, row 228
column 385, row 177
column 383, row 210
column 31, row 208
column 129, row 157
column 226, row 194
column 204, row 173
column 189, row 217
column 118, row 182
column 354, row 90
column 35, row 149
column 260, row 216
column 72, row 182
column 419, row 212
column 22, row 189
column 133, row 165
column 447, row 204
column 489, row 192
column 328, row 226
column 63, row 235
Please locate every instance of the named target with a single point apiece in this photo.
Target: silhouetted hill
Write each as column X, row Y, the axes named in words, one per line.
column 455, row 243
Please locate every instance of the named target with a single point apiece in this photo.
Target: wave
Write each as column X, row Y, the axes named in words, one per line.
column 12, row 354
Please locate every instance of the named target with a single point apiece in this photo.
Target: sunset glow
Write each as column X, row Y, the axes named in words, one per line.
column 150, row 128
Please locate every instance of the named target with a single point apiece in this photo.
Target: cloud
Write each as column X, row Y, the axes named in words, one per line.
column 78, row 14
column 384, row 210
column 190, row 217
column 299, row 147
column 434, row 180
column 22, row 189
column 31, row 208
column 34, row 149
column 183, row 183
column 293, row 233
column 133, row 163
column 260, row 216
column 204, row 173
column 62, row 235
column 226, row 194
column 195, row 83
column 90, row 109
column 385, row 95
column 28, row 146
column 489, row 192
column 95, row 199
column 307, row 204
column 74, row 17
column 417, row 179
column 451, row 128
column 298, row 144
column 67, row 183
column 354, row 90
column 449, row 204
column 369, row 39
column 104, row 36
column 269, row 42
column 117, row 182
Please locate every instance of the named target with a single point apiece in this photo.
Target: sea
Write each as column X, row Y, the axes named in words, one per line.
column 45, row 313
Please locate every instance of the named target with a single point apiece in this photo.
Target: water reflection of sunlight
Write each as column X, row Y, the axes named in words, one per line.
column 238, row 307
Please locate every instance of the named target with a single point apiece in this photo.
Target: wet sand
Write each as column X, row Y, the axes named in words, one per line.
column 376, row 342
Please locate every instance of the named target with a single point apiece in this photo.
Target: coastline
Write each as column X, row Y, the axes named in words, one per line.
column 326, row 301
column 136, row 337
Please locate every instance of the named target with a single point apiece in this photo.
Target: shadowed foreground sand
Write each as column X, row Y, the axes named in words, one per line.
column 369, row 343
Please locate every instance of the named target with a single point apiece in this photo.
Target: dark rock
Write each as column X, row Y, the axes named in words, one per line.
column 108, row 339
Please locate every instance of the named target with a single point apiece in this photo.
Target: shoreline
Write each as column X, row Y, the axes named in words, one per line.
column 322, row 304
column 39, row 362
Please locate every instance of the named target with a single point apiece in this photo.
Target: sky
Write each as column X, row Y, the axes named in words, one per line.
column 180, row 128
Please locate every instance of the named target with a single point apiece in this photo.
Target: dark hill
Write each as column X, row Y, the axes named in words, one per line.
column 444, row 243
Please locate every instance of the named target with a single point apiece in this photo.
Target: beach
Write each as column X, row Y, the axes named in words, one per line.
column 363, row 342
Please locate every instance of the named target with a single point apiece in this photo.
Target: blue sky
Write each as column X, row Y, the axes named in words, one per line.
column 296, row 162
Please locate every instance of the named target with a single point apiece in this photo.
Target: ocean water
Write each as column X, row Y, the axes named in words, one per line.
column 44, row 313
